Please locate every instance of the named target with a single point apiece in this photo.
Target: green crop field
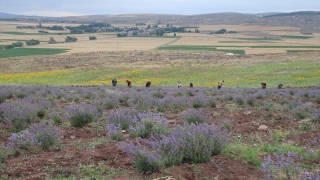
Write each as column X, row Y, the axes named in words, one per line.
column 297, row 37
column 153, row 37
column 24, row 33
column 214, row 48
column 260, row 39
column 30, row 52
column 293, row 51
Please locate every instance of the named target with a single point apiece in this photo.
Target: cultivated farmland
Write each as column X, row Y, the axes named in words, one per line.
column 61, row 119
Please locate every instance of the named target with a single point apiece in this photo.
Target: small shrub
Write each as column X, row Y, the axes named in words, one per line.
column 161, row 108
column 230, row 98
column 305, row 127
column 197, row 103
column 180, row 94
column 158, row 95
column 80, row 120
column 315, row 118
column 41, row 135
column 57, row 120
column 2, row 99
column 125, row 117
column 21, row 95
column 291, row 92
column 317, row 100
column 195, row 116
column 190, row 93
column 240, row 101
column 260, row 96
column 81, row 115
column 251, row 102
column 142, row 129
column 3, row 153
column 41, row 112
column 212, row 104
column 115, row 132
column 46, row 135
column 301, row 114
column 109, row 105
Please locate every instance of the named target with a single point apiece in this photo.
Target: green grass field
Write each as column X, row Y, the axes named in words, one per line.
column 297, row 37
column 24, row 33
column 297, row 73
column 260, row 39
column 293, row 51
column 215, row 48
column 153, row 37
column 30, row 52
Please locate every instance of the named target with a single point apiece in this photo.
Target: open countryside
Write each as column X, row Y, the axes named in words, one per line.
column 67, row 110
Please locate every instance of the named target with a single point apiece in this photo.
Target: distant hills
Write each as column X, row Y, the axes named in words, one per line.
column 7, row 15
column 299, row 13
column 306, row 20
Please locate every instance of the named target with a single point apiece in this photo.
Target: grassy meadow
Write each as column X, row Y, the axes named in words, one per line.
column 296, row 74
column 30, row 52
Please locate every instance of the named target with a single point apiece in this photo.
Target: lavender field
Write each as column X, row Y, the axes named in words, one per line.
column 99, row 132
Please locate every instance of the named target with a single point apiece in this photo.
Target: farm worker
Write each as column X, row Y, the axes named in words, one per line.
column 264, row 85
column 179, row 84
column 129, row 83
column 220, row 84
column 280, row 86
column 148, row 84
column 191, row 85
column 114, row 82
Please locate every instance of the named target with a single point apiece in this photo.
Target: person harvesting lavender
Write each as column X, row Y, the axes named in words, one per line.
column 114, row 82
column 129, row 83
column 220, row 84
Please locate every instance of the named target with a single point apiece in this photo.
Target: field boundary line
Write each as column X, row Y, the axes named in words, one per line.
column 167, row 43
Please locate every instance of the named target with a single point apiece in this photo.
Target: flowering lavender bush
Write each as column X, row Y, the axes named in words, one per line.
column 195, row 116
column 316, row 117
column 41, row 135
column 191, row 143
column 80, row 115
column 125, row 117
column 115, row 132
column 284, row 166
column 145, row 160
column 148, row 124
column 22, row 112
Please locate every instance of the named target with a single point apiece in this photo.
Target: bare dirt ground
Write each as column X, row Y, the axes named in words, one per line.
column 147, row 59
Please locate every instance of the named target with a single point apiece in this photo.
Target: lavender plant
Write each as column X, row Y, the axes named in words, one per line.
column 195, row 116
column 80, row 115
column 125, row 117
column 41, row 135
column 284, row 166
column 190, row 143
column 115, row 132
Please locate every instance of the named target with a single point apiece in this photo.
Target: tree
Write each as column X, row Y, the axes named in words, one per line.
column 92, row 38
column 122, row 35
column 221, row 31
column 52, row 41
column 174, row 34
column 32, row 42
column 18, row 44
column 71, row 39
column 40, row 25
column 196, row 31
column 9, row 46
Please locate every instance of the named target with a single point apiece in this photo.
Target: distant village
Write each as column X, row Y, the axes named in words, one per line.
column 141, row 29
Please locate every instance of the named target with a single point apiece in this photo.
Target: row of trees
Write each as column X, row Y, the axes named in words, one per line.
column 13, row 45
column 32, row 42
